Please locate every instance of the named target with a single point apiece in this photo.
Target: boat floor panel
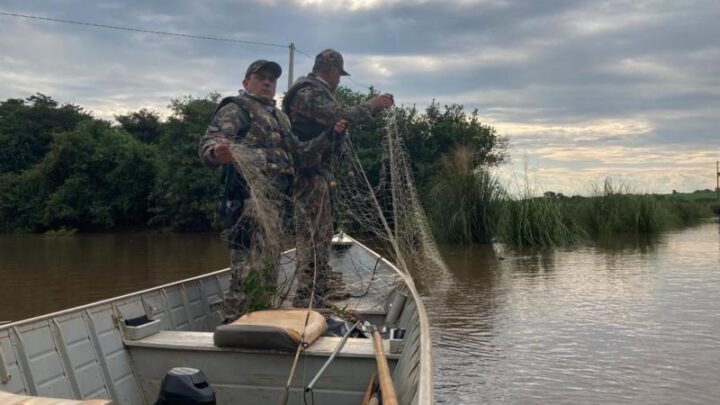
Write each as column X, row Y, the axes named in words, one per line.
column 368, row 279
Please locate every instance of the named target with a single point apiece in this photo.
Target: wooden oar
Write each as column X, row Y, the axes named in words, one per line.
column 386, row 384
column 369, row 390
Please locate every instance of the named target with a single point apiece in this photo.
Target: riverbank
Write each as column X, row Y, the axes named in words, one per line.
column 469, row 205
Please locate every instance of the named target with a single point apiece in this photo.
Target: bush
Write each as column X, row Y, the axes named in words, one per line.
column 94, row 177
column 185, row 192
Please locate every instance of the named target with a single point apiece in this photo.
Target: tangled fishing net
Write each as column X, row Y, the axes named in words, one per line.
column 387, row 216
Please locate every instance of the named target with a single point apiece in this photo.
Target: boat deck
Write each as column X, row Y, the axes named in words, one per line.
column 370, row 280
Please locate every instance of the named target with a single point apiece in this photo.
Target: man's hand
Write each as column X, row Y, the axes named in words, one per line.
column 341, row 126
column 222, row 152
column 382, row 102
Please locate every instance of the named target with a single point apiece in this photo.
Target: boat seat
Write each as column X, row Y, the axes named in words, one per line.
column 203, row 341
column 7, row 398
column 277, row 329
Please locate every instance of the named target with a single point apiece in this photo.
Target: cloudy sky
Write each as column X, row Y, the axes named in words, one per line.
column 584, row 90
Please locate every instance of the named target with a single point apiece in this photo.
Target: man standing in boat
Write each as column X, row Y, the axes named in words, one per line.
column 252, row 120
column 312, row 107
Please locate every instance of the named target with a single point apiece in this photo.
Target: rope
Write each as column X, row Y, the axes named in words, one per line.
column 117, row 27
column 302, row 345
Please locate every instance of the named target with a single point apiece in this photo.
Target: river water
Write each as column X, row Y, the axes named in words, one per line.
column 626, row 321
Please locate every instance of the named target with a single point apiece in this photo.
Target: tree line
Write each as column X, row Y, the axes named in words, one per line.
column 62, row 168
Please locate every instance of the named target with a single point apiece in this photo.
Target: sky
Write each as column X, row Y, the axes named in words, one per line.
column 583, row 90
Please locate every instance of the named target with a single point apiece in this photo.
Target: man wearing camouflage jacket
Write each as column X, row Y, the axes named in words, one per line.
column 312, row 107
column 252, row 119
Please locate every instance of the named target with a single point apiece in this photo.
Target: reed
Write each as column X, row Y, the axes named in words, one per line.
column 715, row 208
column 686, row 213
column 537, row 221
column 464, row 201
column 614, row 208
column 468, row 205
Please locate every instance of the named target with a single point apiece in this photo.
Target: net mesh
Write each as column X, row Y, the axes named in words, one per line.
column 387, row 216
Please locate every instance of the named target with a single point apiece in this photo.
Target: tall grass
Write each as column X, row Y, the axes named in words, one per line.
column 464, row 202
column 689, row 212
column 615, row 209
column 715, row 208
column 468, row 205
column 536, row 221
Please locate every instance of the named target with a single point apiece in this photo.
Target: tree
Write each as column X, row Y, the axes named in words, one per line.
column 428, row 136
column 185, row 192
column 93, row 177
column 27, row 126
column 144, row 125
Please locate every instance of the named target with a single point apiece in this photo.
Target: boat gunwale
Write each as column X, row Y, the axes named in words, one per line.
column 424, row 388
column 109, row 300
column 425, row 383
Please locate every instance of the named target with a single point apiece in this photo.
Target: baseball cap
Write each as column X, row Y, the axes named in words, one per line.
column 262, row 64
column 331, row 58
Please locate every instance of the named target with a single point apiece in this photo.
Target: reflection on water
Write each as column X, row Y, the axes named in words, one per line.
column 41, row 274
column 630, row 320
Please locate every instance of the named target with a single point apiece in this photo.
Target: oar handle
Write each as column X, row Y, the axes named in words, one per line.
column 386, row 384
column 284, row 397
column 369, row 390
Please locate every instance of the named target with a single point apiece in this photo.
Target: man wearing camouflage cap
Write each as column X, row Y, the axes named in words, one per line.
column 251, row 119
column 312, row 107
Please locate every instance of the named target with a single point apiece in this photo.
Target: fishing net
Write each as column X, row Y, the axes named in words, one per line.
column 387, row 216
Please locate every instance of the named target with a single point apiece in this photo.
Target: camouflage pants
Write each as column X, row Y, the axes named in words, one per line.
column 314, row 232
column 252, row 284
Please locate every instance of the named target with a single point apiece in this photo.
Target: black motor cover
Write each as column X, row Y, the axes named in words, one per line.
column 185, row 386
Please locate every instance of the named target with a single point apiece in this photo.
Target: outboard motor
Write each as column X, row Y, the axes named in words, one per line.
column 185, row 386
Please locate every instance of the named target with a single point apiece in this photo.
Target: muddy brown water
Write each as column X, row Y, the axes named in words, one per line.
column 625, row 321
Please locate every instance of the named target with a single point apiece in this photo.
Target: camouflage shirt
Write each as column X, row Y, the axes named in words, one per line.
column 312, row 107
column 316, row 102
column 262, row 126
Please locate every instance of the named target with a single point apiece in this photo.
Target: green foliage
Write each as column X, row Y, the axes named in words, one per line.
column 706, row 195
column 21, row 201
column 464, row 203
column 614, row 209
column 27, row 126
column 688, row 212
column 144, row 125
column 258, row 289
column 437, row 131
column 536, row 221
column 62, row 170
column 93, row 177
column 186, row 192
column 348, row 96
column 61, row 232
column 428, row 136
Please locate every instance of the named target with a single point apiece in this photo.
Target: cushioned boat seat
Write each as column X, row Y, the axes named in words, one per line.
column 279, row 329
column 7, row 398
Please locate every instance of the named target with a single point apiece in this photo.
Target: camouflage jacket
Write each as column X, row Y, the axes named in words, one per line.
column 257, row 123
column 312, row 107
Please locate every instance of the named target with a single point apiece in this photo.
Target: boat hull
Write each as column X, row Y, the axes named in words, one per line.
column 87, row 352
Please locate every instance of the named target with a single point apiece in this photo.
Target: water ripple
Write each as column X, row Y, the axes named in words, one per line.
column 629, row 325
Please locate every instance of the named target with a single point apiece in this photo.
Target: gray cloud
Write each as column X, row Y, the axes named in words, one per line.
column 553, row 75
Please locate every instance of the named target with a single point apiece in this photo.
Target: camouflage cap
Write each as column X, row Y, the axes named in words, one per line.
column 330, row 58
column 262, row 64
